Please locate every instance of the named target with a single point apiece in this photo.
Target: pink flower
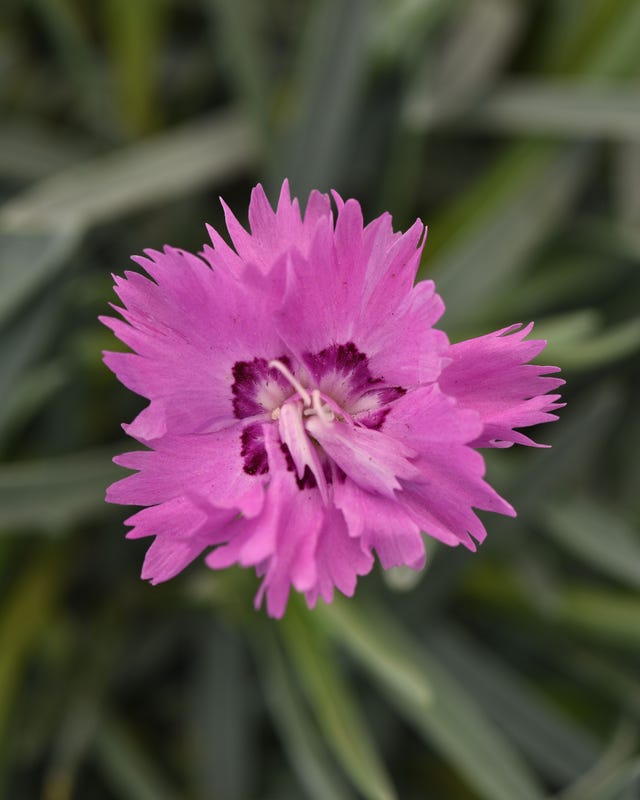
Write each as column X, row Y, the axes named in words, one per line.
column 304, row 412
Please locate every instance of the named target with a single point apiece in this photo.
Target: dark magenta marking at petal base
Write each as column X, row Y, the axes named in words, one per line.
column 248, row 378
column 308, row 480
column 253, row 451
column 375, row 417
column 346, row 360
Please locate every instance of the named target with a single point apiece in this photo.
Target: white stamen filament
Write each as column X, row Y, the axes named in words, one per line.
column 304, row 394
column 323, row 411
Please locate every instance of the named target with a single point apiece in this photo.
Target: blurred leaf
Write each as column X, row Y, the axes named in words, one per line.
column 626, row 178
column 400, row 26
column 238, row 28
column 222, row 731
column 29, row 260
column 606, row 674
column 511, row 210
column 615, row 776
column 28, row 396
column 449, row 80
column 332, row 64
column 132, row 772
column 570, row 31
column 82, row 703
column 597, row 536
column 72, row 42
column 176, row 162
column 576, row 442
column 618, row 53
column 611, row 616
column 24, row 339
column 51, row 494
column 29, row 152
column 576, row 342
column 594, row 37
column 391, row 665
column 576, row 110
column 606, row 616
column 135, row 36
column 504, row 218
column 563, row 280
column 307, row 754
column 554, row 744
column 451, row 721
column 335, row 707
column 24, row 612
column 445, row 75
column 620, row 239
column 624, row 784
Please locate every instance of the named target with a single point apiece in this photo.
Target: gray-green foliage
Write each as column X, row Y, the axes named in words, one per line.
column 513, row 130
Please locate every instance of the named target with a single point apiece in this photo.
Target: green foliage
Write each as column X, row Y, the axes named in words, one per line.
column 512, row 130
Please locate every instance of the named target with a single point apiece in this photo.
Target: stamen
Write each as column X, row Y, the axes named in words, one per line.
column 304, row 394
column 323, row 411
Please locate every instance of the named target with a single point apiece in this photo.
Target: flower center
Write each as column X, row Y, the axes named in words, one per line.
column 345, row 392
column 313, row 403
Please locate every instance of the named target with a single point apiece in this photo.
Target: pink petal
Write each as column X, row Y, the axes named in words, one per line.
column 376, row 462
column 182, row 531
column 451, row 481
column 490, row 375
column 340, row 559
column 381, row 524
column 210, row 465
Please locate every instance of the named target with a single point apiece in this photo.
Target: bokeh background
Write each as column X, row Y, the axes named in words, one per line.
column 513, row 129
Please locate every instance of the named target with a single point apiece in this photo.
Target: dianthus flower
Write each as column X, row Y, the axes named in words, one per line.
column 304, row 412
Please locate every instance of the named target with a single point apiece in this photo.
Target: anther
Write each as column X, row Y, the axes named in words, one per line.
column 323, row 411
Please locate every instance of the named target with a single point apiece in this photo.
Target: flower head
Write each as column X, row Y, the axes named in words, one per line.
column 304, row 413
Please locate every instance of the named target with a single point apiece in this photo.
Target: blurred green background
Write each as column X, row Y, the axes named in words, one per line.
column 513, row 129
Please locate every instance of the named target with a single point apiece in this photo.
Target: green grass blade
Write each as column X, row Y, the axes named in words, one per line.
column 135, row 38
column 24, row 340
column 400, row 26
column 332, row 64
column 576, row 443
column 335, row 707
column 50, row 494
column 460, row 70
column 66, row 28
column 598, row 536
column 29, row 260
column 24, row 612
column 306, row 750
column 487, row 235
column 529, row 194
column 452, row 722
column 367, row 643
column 607, row 616
column 174, row 163
column 626, row 177
column 577, row 342
column 132, row 772
column 221, row 721
column 558, row 747
column 28, row 396
column 238, row 32
column 574, row 110
column 31, row 151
